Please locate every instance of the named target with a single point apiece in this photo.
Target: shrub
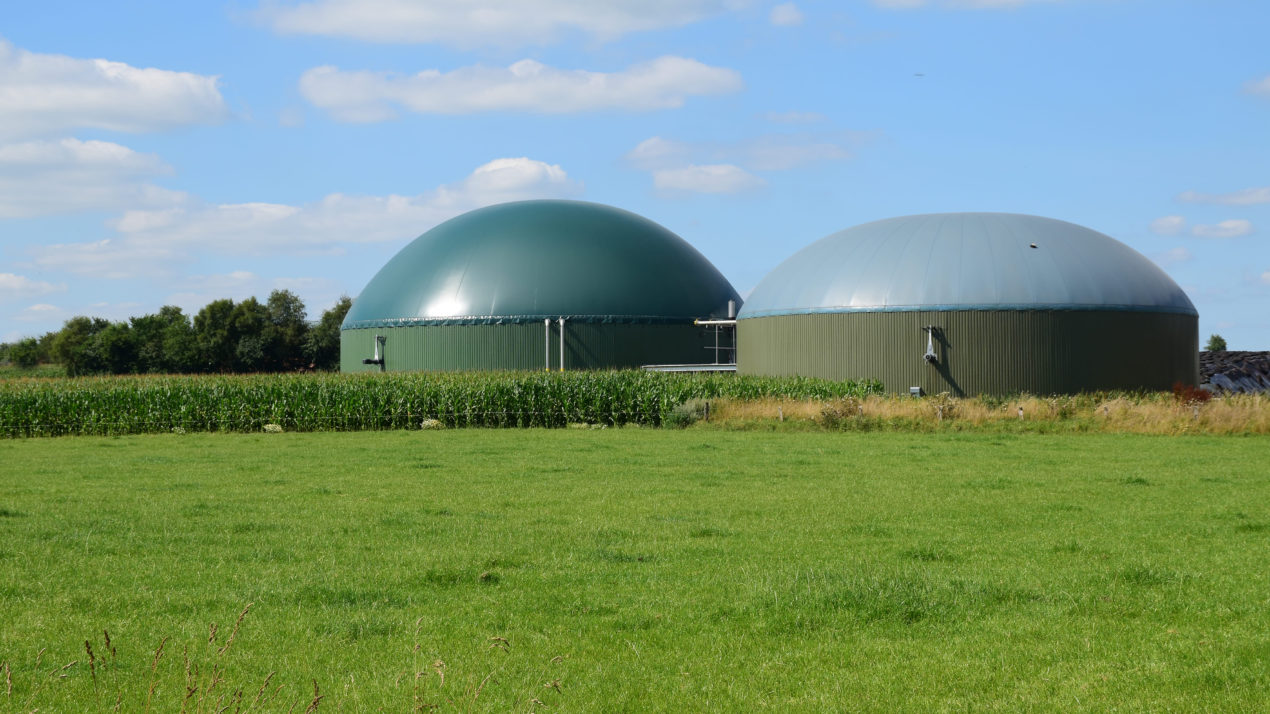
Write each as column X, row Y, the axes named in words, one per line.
column 687, row 414
column 1189, row 394
column 835, row 414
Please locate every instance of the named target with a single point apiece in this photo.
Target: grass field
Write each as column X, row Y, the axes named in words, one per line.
column 43, row 371
column 634, row 570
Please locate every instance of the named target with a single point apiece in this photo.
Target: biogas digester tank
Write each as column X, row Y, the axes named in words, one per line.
column 972, row 303
column 473, row 293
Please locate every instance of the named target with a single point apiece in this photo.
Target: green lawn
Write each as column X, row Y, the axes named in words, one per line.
column 636, row 570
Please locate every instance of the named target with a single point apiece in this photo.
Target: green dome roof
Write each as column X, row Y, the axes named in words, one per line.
column 530, row 260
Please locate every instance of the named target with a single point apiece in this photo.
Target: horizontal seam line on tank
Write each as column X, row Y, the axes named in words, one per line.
column 521, row 319
column 1011, row 307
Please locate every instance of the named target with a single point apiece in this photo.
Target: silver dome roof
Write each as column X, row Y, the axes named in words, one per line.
column 966, row 261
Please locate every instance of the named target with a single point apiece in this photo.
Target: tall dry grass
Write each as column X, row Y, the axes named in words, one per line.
column 1160, row 413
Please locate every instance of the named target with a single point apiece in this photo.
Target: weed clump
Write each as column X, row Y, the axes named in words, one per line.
column 945, row 406
column 838, row 413
column 687, row 414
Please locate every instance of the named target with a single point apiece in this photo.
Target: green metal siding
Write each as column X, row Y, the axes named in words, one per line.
column 980, row 351
column 520, row 346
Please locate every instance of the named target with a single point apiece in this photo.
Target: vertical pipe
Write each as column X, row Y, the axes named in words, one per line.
column 562, row 344
column 731, row 316
column 546, row 343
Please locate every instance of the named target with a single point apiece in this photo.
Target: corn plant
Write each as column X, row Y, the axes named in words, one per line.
column 354, row 402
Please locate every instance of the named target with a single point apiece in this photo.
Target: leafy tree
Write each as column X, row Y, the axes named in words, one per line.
column 180, row 343
column 250, row 323
column 215, row 336
column 288, row 330
column 148, row 332
column 222, row 337
column 1216, row 343
column 24, row 353
column 252, row 354
column 46, row 346
column 116, row 347
column 77, row 348
column 165, row 342
column 323, row 344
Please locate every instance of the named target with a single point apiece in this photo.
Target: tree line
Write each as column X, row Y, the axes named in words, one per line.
column 249, row 336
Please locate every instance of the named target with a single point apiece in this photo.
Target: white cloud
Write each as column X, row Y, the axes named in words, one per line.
column 656, row 152
column 238, row 285
column 1265, row 278
column 41, row 312
column 770, row 152
column 1259, row 86
column 780, row 153
column 1168, row 225
column 1232, row 228
column 508, row 23
column 526, row 86
column 52, row 314
column 51, row 177
column 52, row 95
column 150, row 241
column 1172, row 257
column 713, row 178
column 198, row 290
column 107, row 258
column 291, row 117
column 786, row 14
column 1246, row 197
column 724, row 167
column 20, row 287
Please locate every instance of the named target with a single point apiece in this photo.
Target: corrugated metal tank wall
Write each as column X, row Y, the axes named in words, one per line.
column 981, row 351
column 520, row 346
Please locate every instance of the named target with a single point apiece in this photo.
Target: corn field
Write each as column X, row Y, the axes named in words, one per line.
column 338, row 402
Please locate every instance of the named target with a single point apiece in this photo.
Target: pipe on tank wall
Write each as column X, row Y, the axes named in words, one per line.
column 562, row 344
column 546, row 343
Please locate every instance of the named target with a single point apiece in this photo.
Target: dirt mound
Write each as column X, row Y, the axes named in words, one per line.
column 1235, row 371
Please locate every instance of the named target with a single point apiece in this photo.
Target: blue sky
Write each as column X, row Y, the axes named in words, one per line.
column 159, row 153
